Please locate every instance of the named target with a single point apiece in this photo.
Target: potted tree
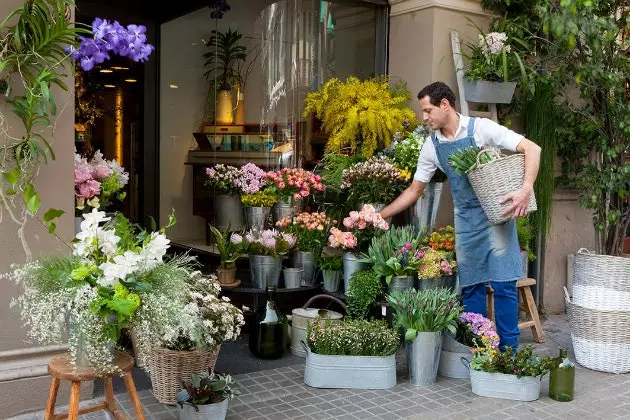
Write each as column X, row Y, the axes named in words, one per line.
column 230, row 247
column 222, row 62
column 424, row 316
column 206, row 396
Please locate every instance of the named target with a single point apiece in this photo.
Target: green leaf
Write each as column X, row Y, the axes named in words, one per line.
column 12, row 176
column 122, row 306
column 31, row 199
column 52, row 226
column 43, row 86
column 411, row 334
column 52, row 214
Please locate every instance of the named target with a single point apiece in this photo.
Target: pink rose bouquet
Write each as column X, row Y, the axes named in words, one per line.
column 365, row 224
column 97, row 182
column 292, row 184
column 343, row 240
column 309, row 228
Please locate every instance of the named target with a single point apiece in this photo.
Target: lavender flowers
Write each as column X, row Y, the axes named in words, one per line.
column 111, row 38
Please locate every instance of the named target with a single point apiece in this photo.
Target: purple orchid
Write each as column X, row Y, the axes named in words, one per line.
column 112, row 37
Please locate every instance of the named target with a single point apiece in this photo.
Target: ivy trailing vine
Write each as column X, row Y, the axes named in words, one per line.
column 33, row 58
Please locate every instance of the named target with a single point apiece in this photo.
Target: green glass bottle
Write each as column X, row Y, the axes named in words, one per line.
column 269, row 329
column 562, row 378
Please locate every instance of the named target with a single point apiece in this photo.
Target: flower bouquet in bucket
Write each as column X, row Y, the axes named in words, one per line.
column 492, row 176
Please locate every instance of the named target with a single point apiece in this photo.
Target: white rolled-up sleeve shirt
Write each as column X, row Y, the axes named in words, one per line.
column 487, row 134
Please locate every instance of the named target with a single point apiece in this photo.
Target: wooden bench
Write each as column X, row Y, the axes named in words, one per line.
column 61, row 369
column 528, row 305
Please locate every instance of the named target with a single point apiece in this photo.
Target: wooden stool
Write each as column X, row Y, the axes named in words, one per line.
column 532, row 320
column 60, row 369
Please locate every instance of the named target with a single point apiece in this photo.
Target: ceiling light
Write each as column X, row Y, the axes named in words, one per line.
column 106, row 71
column 173, row 86
column 110, row 86
column 131, row 80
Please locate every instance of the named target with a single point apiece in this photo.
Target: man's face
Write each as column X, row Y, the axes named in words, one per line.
column 434, row 116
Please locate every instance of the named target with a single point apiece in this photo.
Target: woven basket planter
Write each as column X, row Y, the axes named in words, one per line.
column 494, row 180
column 601, row 338
column 169, row 368
column 601, row 281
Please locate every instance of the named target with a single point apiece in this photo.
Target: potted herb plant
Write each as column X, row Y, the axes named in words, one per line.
column 394, row 256
column 473, row 330
column 424, row 316
column 266, row 249
column 331, row 265
column 509, row 375
column 350, row 354
column 223, row 180
column 206, row 396
column 230, row 247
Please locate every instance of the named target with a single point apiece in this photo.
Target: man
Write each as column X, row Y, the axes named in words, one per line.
column 485, row 253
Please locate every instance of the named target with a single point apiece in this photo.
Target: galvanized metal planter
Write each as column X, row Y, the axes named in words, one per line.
column 352, row 264
column 282, row 209
column 451, row 365
column 307, row 261
column 423, row 212
column 301, row 318
column 438, row 283
column 257, row 217
column 265, row 271
column 400, row 283
column 187, row 411
column 486, row 92
column 509, row 387
column 357, row 372
column 423, row 358
column 228, row 210
column 331, row 280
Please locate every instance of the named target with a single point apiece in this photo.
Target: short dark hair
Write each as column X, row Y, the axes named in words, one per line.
column 437, row 91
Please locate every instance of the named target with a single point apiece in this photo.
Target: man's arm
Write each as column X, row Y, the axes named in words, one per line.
column 520, row 198
column 404, row 200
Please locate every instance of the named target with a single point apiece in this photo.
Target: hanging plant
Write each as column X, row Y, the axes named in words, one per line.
column 38, row 42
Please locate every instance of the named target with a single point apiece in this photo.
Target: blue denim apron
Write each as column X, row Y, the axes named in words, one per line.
column 485, row 253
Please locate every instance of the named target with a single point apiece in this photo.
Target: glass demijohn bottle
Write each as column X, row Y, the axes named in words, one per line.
column 562, row 378
column 269, row 329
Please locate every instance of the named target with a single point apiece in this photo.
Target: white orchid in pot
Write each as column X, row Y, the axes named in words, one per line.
column 95, row 292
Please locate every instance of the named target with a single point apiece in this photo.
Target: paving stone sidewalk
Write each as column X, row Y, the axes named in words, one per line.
column 279, row 394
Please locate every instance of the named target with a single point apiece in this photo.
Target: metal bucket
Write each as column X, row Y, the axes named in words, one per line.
column 351, row 265
column 257, row 217
column 282, row 209
column 438, row 283
column 300, row 320
column 217, row 411
column 331, row 280
column 306, row 261
column 501, row 385
column 265, row 271
column 423, row 213
column 292, row 277
column 228, row 210
column 423, row 358
column 451, row 365
column 400, row 283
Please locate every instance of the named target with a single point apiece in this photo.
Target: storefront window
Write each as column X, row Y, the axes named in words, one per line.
column 232, row 89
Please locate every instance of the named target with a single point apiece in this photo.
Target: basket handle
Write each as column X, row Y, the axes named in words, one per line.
column 304, row 346
column 325, row 296
column 490, row 152
column 585, row 251
column 567, row 298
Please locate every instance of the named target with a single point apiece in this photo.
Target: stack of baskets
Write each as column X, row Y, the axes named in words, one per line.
column 599, row 313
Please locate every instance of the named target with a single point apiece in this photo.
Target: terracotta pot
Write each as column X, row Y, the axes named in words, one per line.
column 226, row 275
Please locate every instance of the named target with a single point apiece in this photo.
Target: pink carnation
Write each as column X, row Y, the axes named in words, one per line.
column 101, row 171
column 82, row 173
column 89, row 189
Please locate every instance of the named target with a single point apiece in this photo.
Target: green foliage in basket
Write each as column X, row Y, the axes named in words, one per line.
column 464, row 161
column 430, row 310
column 523, row 362
column 208, row 388
column 352, row 338
column 365, row 288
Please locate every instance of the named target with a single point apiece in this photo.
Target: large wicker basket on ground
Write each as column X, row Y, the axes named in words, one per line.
column 169, row 368
column 494, row 180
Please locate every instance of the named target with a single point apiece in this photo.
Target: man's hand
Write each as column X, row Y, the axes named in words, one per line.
column 520, row 201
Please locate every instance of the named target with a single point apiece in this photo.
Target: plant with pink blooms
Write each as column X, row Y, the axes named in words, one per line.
column 252, row 179
column 309, row 228
column 293, row 184
column 365, row 224
column 97, row 182
column 435, row 264
column 475, row 330
column 270, row 242
column 342, row 240
column 223, row 178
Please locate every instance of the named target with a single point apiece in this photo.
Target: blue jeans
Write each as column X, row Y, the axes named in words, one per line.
column 505, row 309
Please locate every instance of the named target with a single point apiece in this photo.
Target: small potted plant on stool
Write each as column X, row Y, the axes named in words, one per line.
column 206, row 396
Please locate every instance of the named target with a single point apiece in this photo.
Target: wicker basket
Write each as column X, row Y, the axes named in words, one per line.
column 601, row 338
column 591, row 269
column 494, row 180
column 169, row 368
